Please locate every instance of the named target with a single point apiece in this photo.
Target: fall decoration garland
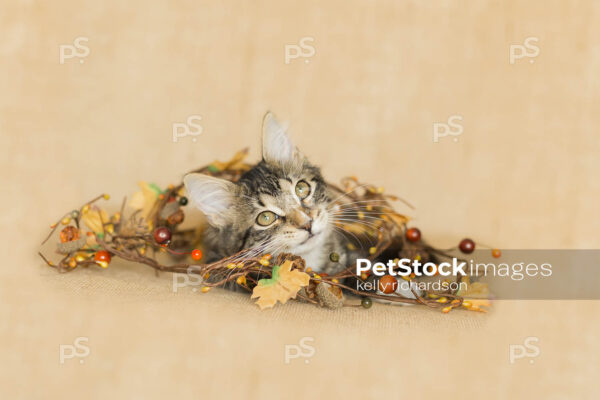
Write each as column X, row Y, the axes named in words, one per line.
column 90, row 237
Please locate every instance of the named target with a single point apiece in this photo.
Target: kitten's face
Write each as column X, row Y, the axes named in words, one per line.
column 280, row 205
column 285, row 210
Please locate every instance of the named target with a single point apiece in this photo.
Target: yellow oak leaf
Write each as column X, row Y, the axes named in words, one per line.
column 95, row 219
column 284, row 285
column 145, row 199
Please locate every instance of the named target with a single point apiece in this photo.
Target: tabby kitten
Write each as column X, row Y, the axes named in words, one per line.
column 280, row 205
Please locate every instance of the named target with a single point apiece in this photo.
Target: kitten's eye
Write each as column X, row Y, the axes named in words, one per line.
column 302, row 189
column 266, row 218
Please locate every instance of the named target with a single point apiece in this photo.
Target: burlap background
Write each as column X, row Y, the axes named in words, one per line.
column 523, row 174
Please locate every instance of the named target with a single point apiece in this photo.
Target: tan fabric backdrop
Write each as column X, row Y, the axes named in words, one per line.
column 522, row 174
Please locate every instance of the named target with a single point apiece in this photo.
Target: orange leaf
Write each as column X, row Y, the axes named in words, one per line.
column 284, row 285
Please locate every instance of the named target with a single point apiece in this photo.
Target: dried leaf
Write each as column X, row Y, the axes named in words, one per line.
column 95, row 219
column 236, row 162
column 476, row 295
column 477, row 290
column 145, row 199
column 399, row 218
column 284, row 285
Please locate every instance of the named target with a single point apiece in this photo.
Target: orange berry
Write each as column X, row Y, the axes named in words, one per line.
column 196, row 254
column 103, row 256
column 388, row 284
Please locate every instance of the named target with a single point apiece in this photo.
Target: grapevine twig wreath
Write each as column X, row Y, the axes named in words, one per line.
column 90, row 237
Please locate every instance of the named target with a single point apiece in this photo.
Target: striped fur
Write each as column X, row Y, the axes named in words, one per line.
column 303, row 226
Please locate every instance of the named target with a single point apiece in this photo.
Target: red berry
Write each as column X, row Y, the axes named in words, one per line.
column 413, row 234
column 388, row 284
column 467, row 246
column 102, row 255
column 496, row 253
column 162, row 235
column 196, row 254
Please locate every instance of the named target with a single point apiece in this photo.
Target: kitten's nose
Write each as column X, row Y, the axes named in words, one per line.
column 300, row 219
column 307, row 226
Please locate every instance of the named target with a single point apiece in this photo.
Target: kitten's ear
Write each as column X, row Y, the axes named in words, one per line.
column 213, row 196
column 277, row 148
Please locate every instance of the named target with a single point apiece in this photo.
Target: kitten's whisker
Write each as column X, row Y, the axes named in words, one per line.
column 344, row 233
column 357, row 221
column 386, row 201
column 358, row 215
column 253, row 251
column 362, row 207
column 364, row 210
column 357, row 209
column 373, row 227
column 347, row 221
column 349, row 191
column 361, row 211
column 365, row 203
column 274, row 251
column 354, row 218
column 360, row 218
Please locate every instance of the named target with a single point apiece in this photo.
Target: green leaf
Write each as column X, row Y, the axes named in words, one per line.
column 155, row 188
column 273, row 279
